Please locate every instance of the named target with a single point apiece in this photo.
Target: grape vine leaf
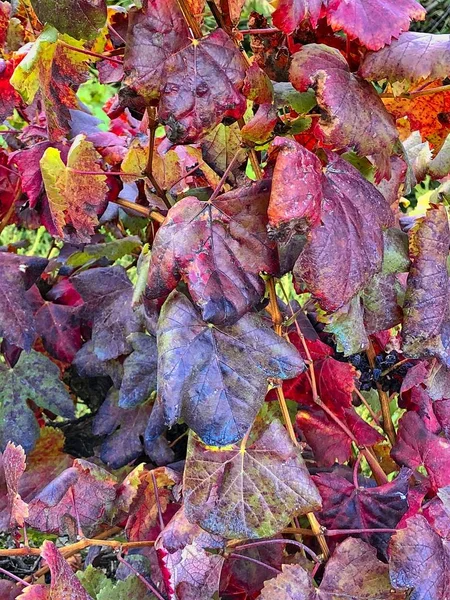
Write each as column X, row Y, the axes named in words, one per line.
column 97, row 585
column 14, row 464
column 108, row 294
column 260, row 127
column 143, row 514
column 18, row 274
column 59, row 327
column 218, row 249
column 296, row 195
column 345, row 506
column 139, row 371
column 54, row 71
column 8, row 95
column 83, row 493
column 235, row 492
column 412, row 57
column 327, row 440
column 353, row 572
column 190, row 572
column 418, row 447
column 8, row 590
column 216, row 378
column 124, row 428
column 64, row 582
column 111, row 250
column 80, row 19
column 73, row 198
column 87, row 364
column 197, row 82
column 353, row 115
column 34, row 377
column 290, row 13
column 221, row 145
column 426, row 307
column 373, row 22
column 418, row 559
column 352, row 205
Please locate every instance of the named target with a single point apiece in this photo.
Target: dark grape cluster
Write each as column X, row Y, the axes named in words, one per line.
column 371, row 377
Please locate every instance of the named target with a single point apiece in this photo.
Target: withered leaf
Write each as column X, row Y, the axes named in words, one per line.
column 218, row 248
column 235, row 492
column 216, row 378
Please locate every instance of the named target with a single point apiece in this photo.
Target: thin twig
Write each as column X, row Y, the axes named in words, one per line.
column 388, row 425
column 141, row 210
column 222, row 181
column 8, row 574
column 303, row 547
column 147, row 584
column 411, row 95
column 90, row 53
column 376, row 420
column 394, row 367
column 255, row 561
column 267, row 31
column 190, row 19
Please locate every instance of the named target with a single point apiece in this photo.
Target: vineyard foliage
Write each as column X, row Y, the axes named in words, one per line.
column 224, row 301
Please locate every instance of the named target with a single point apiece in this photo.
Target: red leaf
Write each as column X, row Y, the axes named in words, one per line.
column 364, row 507
column 59, row 328
column 350, row 236
column 8, row 590
column 373, row 22
column 290, row 13
column 197, row 81
column 260, row 127
column 9, row 98
column 296, row 196
column 418, row 447
column 353, row 115
column 218, row 248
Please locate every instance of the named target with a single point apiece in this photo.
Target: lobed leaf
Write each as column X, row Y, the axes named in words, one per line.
column 235, row 492
column 79, row 19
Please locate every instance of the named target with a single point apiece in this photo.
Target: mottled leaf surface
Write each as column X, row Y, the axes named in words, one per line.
column 216, row 378
column 229, row 491
column 139, row 371
column 54, row 71
column 73, row 198
column 218, row 248
column 426, row 327
column 418, row 559
column 79, row 19
column 34, row 377
column 353, row 572
column 352, row 113
column 83, row 492
column 412, row 57
column 189, row 559
column 197, row 82
column 350, row 235
column 17, row 274
column 14, row 464
column 345, row 506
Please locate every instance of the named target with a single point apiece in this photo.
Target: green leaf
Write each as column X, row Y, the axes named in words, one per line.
column 100, row 587
column 78, row 18
column 111, row 250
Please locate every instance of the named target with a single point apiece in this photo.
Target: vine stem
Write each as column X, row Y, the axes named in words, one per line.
column 394, row 367
column 303, row 547
column 141, row 210
column 376, row 420
column 378, row 473
column 388, row 425
column 190, row 19
column 277, row 319
column 255, row 561
column 267, row 31
column 411, row 95
column 8, row 574
column 90, row 53
column 223, row 179
column 147, row 583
